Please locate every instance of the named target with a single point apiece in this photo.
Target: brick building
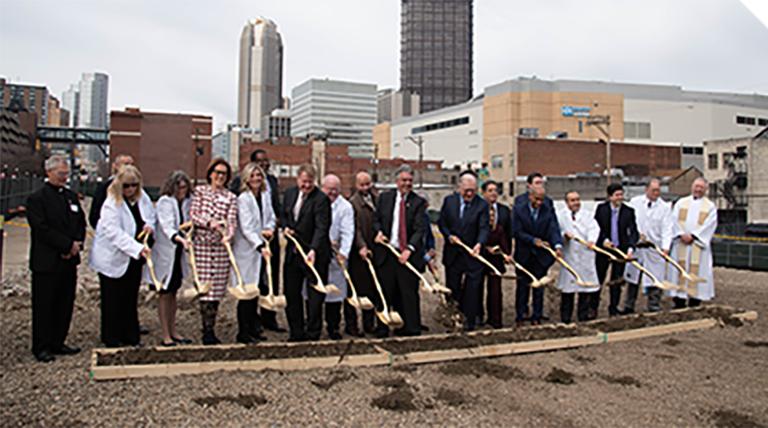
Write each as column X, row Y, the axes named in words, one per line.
column 162, row 142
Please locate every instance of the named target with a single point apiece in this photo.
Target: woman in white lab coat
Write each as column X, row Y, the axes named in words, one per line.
column 255, row 217
column 118, row 256
column 171, row 266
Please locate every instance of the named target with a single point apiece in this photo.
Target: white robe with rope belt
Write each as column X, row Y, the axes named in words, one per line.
column 581, row 258
column 699, row 218
column 655, row 224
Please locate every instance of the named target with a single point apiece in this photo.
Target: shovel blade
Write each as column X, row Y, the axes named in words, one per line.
column 267, row 304
column 354, row 302
column 189, row 294
column 396, row 321
column 440, row 288
column 204, row 288
column 365, row 303
column 280, row 301
column 332, row 289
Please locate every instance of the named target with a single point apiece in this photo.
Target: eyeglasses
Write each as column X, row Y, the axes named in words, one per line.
column 130, row 185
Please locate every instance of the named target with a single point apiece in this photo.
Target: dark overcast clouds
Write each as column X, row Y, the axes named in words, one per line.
column 175, row 55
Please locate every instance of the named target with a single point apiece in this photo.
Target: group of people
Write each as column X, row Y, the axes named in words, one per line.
column 227, row 233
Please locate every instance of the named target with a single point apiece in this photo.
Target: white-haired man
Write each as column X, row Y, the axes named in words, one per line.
column 694, row 219
column 57, row 225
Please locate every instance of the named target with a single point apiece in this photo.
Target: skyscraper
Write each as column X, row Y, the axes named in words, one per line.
column 92, row 106
column 436, row 51
column 70, row 100
column 260, row 86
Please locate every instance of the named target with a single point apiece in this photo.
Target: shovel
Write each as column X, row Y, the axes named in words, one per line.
column 455, row 315
column 480, row 258
column 535, row 282
column 361, row 303
column 664, row 285
column 695, row 279
column 270, row 301
column 199, row 289
column 150, row 264
column 319, row 286
column 580, row 282
column 432, row 288
column 241, row 291
column 597, row 249
column 390, row 318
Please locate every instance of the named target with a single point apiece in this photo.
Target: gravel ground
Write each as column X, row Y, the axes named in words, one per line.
column 717, row 377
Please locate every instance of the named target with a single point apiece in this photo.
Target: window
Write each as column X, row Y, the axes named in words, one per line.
column 712, row 161
column 581, row 127
column 745, row 120
column 637, row 130
column 440, row 125
column 762, row 121
column 693, row 150
column 497, row 161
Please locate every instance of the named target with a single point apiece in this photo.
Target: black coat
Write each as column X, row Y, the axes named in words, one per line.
column 525, row 231
column 415, row 225
column 56, row 220
column 98, row 200
column 628, row 235
column 312, row 226
column 472, row 228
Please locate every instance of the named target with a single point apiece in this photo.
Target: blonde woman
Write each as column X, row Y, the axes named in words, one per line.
column 171, row 266
column 255, row 217
column 214, row 214
column 118, row 256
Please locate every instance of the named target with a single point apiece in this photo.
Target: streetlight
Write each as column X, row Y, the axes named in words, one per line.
column 603, row 124
column 419, row 141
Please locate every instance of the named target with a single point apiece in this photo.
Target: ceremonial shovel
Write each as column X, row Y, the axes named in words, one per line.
column 580, row 282
column 535, row 282
column 270, row 301
column 150, row 264
column 691, row 278
column 597, row 249
column 392, row 319
column 432, row 288
column 480, row 258
column 362, row 303
column 664, row 285
column 241, row 291
column 319, row 286
column 199, row 289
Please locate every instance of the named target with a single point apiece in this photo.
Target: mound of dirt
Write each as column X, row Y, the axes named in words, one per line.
column 731, row 419
column 248, row 401
column 560, row 376
column 398, row 400
column 479, row 368
column 620, row 380
column 333, row 379
column 452, row 397
column 756, row 343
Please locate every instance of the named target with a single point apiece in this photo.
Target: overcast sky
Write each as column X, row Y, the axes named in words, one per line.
column 181, row 55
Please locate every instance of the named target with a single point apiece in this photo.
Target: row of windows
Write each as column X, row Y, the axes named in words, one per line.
column 441, row 125
column 749, row 120
column 693, row 150
column 637, row 130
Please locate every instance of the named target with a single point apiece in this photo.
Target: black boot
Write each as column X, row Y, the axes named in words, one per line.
column 208, row 312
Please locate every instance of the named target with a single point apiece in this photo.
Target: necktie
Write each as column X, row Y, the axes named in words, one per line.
column 402, row 235
column 649, row 204
column 573, row 216
column 297, row 207
column 461, row 209
column 615, row 227
column 492, row 216
column 535, row 214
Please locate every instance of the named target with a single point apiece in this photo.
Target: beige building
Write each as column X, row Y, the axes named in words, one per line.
column 737, row 174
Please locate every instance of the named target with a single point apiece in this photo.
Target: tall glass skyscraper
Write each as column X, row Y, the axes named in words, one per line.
column 436, row 51
column 260, row 85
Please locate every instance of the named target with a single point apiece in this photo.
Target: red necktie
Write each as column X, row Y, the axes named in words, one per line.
column 402, row 236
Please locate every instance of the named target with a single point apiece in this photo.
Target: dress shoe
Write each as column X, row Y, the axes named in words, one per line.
column 381, row 333
column 165, row 344
column 143, row 330
column 67, row 350
column 44, row 357
column 424, row 328
column 182, row 340
column 535, row 322
column 334, row 335
column 210, row 339
column 519, row 324
column 245, row 339
column 274, row 327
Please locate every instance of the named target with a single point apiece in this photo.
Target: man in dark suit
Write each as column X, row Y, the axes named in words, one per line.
column 618, row 229
column 464, row 218
column 269, row 318
column 400, row 220
column 307, row 215
column 500, row 234
column 57, row 225
column 101, row 191
column 533, row 225
column 364, row 203
column 534, row 179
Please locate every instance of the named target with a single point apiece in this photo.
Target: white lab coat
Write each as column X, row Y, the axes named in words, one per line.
column 164, row 250
column 656, row 224
column 702, row 232
column 115, row 244
column 250, row 223
column 581, row 258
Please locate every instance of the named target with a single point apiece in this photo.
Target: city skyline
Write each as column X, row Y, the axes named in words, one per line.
column 260, row 76
column 186, row 58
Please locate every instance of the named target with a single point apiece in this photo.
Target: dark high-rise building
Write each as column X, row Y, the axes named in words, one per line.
column 436, row 51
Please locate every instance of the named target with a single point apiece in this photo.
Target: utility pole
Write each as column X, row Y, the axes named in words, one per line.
column 419, row 141
column 603, row 124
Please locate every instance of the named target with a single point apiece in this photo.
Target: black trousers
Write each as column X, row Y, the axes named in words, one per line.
column 248, row 320
column 361, row 276
column 617, row 272
column 401, row 289
column 681, row 303
column 333, row 316
column 523, row 291
column 493, row 300
column 294, row 274
column 566, row 306
column 469, row 297
column 119, row 312
column 53, row 297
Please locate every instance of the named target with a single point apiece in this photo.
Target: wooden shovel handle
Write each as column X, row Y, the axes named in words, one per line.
column 596, row 249
column 407, row 264
column 304, row 257
column 480, row 258
column 377, row 284
column 151, row 265
column 564, row 264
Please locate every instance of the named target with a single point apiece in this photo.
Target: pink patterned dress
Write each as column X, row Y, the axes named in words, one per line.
column 211, row 257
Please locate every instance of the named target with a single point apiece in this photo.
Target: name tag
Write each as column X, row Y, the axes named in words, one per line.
column 73, row 207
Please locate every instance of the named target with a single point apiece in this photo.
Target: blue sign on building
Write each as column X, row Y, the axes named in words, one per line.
column 575, row 111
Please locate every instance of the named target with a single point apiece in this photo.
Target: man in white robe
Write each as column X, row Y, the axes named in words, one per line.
column 342, row 234
column 577, row 223
column 694, row 220
column 654, row 223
